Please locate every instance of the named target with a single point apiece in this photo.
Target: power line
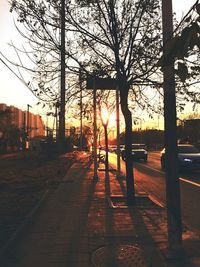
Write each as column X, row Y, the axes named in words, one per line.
column 15, row 73
column 26, row 84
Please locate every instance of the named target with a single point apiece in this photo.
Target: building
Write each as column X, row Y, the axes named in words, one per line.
column 192, row 130
column 3, row 106
column 39, row 127
column 25, row 121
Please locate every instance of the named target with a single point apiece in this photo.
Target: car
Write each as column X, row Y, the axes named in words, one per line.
column 139, row 152
column 188, row 157
column 112, row 148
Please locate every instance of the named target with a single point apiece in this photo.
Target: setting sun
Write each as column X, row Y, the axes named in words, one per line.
column 105, row 116
column 112, row 119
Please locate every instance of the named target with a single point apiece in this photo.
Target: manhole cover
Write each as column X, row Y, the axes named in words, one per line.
column 118, row 256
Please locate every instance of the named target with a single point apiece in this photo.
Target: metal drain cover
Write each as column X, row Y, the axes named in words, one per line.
column 118, row 256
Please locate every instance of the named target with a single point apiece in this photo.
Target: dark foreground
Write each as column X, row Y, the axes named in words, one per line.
column 24, row 179
column 84, row 223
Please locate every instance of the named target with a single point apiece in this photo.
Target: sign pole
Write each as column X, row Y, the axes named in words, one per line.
column 118, row 133
column 95, row 83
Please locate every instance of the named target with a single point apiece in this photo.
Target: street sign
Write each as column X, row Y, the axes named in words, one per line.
column 101, row 83
column 94, row 83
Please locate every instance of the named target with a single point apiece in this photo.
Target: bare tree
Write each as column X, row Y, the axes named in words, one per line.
column 184, row 49
column 122, row 39
column 115, row 38
column 109, row 38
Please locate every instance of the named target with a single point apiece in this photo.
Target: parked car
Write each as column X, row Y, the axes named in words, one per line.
column 139, row 152
column 112, row 148
column 188, row 157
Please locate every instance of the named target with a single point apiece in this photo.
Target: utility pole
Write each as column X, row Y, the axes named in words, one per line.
column 24, row 132
column 95, row 177
column 62, row 89
column 28, row 121
column 172, row 178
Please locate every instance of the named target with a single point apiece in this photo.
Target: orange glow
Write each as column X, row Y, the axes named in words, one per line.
column 105, row 115
column 112, row 119
column 108, row 118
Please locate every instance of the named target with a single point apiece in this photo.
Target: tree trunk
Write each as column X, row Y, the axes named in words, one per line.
column 128, row 143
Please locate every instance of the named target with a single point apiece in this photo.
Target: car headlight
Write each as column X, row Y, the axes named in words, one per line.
column 187, row 160
column 133, row 153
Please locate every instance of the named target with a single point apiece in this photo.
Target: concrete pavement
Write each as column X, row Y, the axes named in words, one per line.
column 86, row 223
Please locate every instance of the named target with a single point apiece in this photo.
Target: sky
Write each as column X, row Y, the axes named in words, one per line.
column 12, row 90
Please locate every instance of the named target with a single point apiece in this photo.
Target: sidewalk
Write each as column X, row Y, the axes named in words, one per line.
column 80, row 225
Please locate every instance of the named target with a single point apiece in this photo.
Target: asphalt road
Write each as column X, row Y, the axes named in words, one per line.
column 151, row 179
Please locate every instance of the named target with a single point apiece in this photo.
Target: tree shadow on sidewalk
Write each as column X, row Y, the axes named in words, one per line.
column 77, row 250
column 132, row 225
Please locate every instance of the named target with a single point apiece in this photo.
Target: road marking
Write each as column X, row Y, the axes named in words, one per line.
column 156, row 200
column 162, row 172
column 190, row 182
column 153, row 169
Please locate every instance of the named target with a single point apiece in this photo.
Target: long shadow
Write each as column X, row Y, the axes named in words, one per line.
column 106, row 243
column 80, row 224
column 109, row 226
column 156, row 252
column 114, row 239
column 141, row 217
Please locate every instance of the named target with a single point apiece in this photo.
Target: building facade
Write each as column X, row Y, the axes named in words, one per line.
column 25, row 121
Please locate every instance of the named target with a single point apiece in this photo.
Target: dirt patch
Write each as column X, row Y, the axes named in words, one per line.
column 24, row 177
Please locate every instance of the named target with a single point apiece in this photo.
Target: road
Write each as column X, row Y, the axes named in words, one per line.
column 151, row 179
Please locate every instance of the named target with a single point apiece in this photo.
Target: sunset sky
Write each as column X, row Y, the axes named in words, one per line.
column 12, row 91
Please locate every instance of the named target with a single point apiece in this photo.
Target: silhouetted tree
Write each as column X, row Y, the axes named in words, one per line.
column 108, row 37
column 116, row 38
